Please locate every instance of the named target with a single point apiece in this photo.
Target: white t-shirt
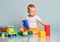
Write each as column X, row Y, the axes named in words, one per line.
column 33, row 21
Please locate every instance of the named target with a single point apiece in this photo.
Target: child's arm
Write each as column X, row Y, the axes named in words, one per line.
column 41, row 21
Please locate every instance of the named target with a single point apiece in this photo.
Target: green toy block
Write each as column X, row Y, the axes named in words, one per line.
column 20, row 33
column 11, row 30
column 16, row 35
column 30, row 32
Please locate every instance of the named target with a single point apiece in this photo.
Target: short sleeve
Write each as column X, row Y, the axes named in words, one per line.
column 38, row 18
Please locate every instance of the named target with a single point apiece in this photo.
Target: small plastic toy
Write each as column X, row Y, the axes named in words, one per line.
column 25, row 24
column 6, row 32
column 47, row 30
column 11, row 30
column 42, row 34
column 20, row 33
column 25, row 30
column 3, row 35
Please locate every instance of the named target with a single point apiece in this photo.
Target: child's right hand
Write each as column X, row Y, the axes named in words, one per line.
column 21, row 22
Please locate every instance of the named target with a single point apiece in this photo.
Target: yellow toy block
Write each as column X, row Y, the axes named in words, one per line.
column 3, row 35
column 25, row 32
column 42, row 34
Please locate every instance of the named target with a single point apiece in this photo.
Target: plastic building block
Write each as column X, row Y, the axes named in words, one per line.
column 35, row 30
column 42, row 34
column 47, row 30
column 6, row 35
column 3, row 35
column 25, row 24
column 21, row 29
column 4, row 29
column 25, row 33
column 11, row 35
column 16, row 35
column 20, row 33
column 11, row 30
column 0, row 33
column 25, row 29
column 30, row 33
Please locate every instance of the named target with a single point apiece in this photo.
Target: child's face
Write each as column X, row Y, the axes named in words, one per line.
column 32, row 11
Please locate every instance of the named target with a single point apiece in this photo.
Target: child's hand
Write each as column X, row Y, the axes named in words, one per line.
column 21, row 22
column 47, row 24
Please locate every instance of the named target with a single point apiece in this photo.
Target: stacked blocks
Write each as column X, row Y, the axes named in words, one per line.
column 25, row 32
column 25, row 24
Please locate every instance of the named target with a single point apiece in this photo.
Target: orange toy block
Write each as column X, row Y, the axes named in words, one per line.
column 35, row 31
column 21, row 29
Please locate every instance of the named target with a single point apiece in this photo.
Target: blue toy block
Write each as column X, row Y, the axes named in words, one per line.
column 25, row 35
column 7, row 34
column 0, row 33
column 25, row 24
column 11, row 35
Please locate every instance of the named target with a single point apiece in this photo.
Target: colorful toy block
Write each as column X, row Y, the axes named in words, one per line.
column 3, row 29
column 3, row 35
column 6, row 35
column 25, row 33
column 21, row 29
column 35, row 30
column 16, row 35
column 25, row 24
column 42, row 34
column 47, row 30
column 11, row 35
column 30, row 33
column 11, row 30
column 25, row 29
column 20, row 33
column 0, row 33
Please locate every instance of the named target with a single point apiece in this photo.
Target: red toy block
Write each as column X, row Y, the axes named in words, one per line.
column 47, row 29
column 25, row 29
